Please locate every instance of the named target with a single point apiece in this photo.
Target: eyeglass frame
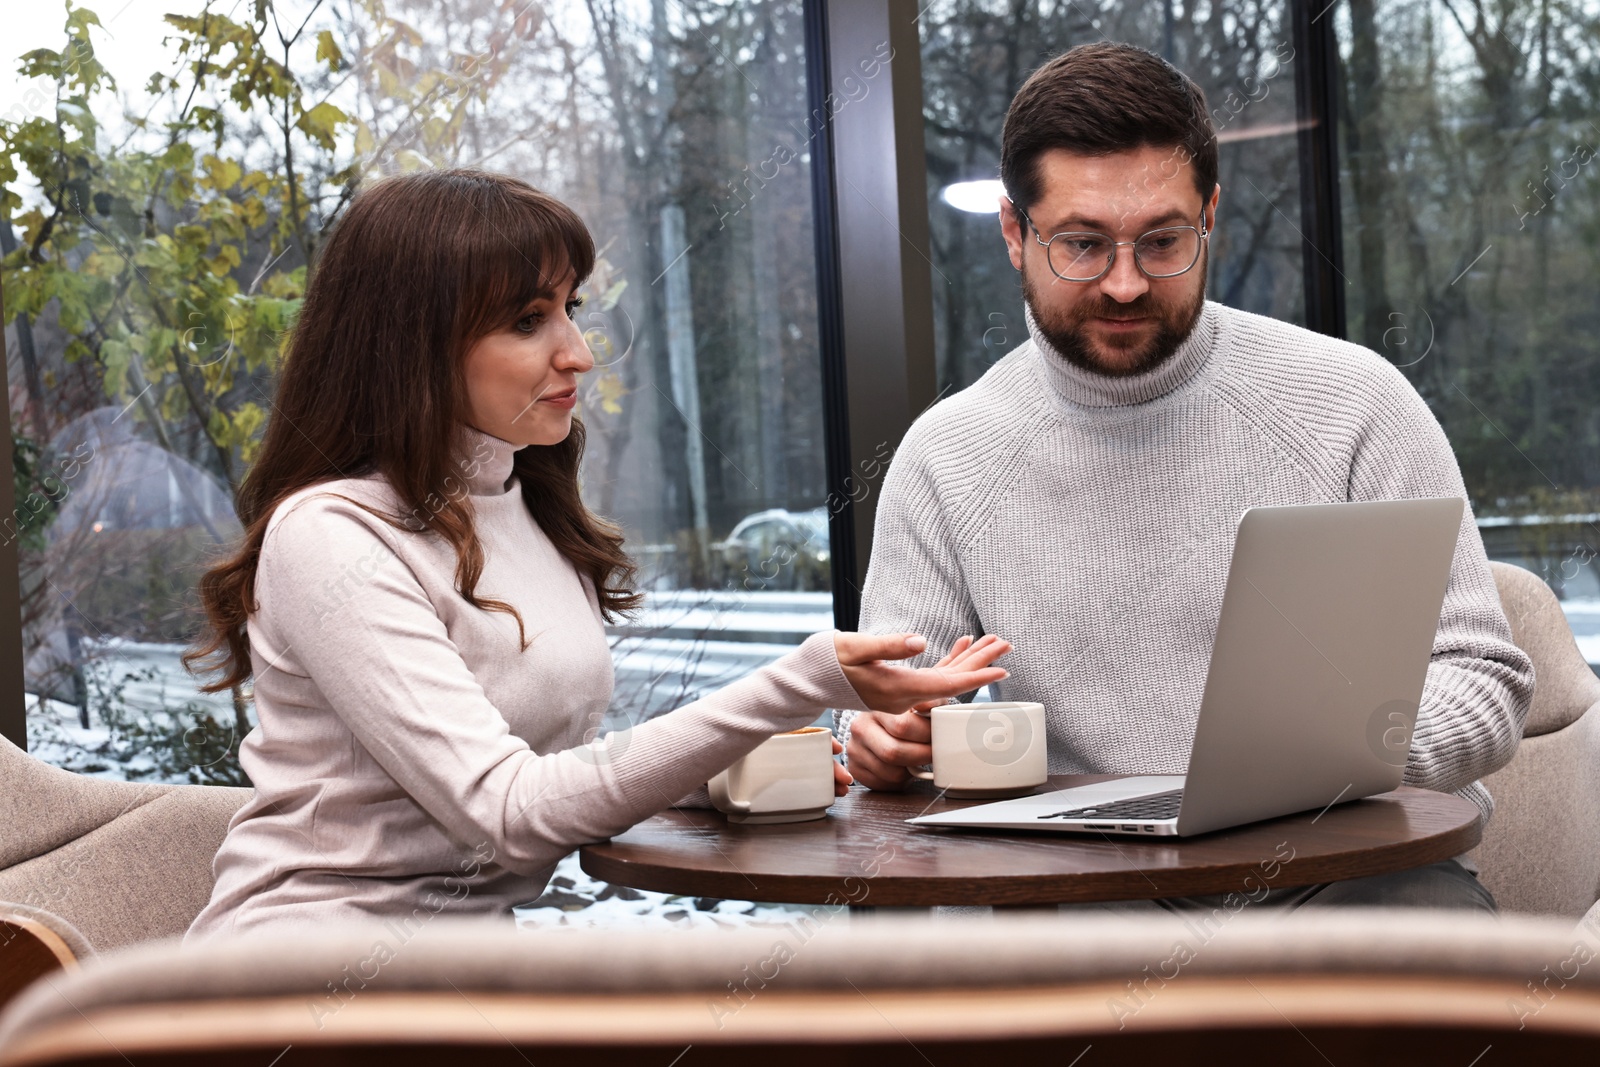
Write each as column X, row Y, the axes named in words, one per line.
column 1111, row 260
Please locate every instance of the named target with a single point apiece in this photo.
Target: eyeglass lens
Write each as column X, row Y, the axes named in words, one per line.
column 1086, row 256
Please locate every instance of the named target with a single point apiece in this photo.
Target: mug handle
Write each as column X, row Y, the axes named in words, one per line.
column 728, row 804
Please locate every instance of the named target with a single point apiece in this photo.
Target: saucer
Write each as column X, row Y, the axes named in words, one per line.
column 991, row 794
column 768, row 818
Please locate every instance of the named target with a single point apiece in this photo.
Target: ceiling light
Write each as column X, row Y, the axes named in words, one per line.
column 980, row 198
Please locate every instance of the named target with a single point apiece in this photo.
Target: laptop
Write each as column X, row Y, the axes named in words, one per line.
column 1322, row 647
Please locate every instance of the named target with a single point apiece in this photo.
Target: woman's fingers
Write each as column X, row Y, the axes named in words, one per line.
column 930, row 682
column 842, row 779
column 961, row 645
column 885, row 687
column 966, row 654
column 854, row 649
column 987, row 649
column 975, row 659
column 868, row 664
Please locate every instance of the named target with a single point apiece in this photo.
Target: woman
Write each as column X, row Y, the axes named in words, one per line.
column 420, row 594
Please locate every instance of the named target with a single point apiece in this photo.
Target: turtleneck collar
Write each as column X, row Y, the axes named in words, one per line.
column 486, row 463
column 1087, row 389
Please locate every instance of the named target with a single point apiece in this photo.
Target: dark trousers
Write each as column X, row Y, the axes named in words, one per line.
column 1439, row 885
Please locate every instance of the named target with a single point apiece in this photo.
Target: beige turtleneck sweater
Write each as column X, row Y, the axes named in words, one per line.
column 1089, row 520
column 409, row 760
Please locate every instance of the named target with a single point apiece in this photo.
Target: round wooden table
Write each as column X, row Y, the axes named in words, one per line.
column 864, row 855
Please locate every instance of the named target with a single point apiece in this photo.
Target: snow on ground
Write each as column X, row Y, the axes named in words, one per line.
column 575, row 900
column 55, row 737
column 1583, row 615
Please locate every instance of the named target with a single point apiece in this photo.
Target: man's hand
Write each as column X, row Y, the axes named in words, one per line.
column 884, row 743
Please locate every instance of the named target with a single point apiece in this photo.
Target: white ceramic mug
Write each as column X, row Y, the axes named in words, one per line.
column 786, row 778
column 988, row 750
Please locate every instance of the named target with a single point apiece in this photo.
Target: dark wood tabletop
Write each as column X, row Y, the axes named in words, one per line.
column 863, row 854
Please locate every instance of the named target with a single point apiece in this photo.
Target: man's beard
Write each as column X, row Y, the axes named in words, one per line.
column 1067, row 333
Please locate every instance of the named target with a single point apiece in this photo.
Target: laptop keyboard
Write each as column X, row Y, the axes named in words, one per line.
column 1159, row 806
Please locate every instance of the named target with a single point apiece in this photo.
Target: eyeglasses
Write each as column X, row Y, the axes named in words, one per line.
column 1087, row 257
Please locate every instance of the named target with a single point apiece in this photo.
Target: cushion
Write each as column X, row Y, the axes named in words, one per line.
column 43, row 807
column 143, row 875
column 1564, row 684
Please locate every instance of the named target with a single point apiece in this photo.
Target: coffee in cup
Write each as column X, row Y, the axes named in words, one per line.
column 988, row 750
column 786, row 778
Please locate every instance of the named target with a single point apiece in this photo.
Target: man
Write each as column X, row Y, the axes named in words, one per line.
column 1080, row 499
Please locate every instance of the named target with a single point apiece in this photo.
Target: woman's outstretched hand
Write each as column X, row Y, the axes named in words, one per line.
column 885, row 742
column 868, row 664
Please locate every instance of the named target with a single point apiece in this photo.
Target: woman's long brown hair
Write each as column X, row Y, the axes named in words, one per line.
column 420, row 267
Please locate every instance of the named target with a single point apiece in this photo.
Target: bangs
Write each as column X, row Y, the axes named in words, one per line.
column 527, row 245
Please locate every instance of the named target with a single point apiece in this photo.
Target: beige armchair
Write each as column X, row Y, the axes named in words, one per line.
column 120, row 862
column 1541, row 851
column 1355, row 987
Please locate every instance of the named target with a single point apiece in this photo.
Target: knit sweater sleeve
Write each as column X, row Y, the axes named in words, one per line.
column 914, row 580
column 1479, row 685
column 386, row 666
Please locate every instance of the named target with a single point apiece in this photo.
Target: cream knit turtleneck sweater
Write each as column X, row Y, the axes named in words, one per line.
column 409, row 759
column 1089, row 520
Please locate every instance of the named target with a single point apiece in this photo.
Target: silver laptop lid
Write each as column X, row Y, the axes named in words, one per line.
column 1323, row 643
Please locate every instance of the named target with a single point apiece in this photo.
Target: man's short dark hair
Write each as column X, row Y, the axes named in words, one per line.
column 1100, row 98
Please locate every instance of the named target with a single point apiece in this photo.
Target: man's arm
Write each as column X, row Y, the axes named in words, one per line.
column 1479, row 684
column 914, row 582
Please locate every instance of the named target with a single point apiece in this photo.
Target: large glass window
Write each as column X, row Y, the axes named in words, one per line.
column 157, row 234
column 1471, row 219
column 975, row 56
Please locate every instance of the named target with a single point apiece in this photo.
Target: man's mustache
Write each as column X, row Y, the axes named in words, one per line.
column 1106, row 308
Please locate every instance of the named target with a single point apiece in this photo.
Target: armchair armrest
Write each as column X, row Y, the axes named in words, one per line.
column 34, row 943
